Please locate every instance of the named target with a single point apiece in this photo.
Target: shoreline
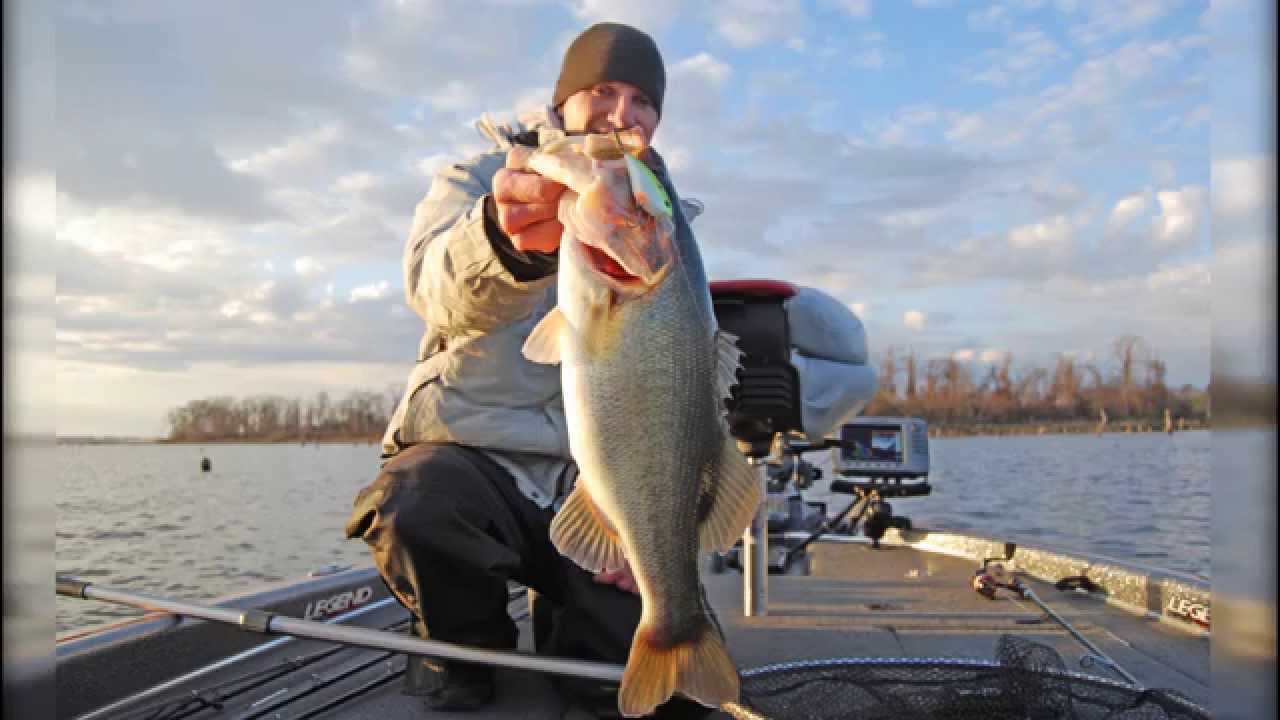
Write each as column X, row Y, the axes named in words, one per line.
column 1060, row 427
column 975, row 430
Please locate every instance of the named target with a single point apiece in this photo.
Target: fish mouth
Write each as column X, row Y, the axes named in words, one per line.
column 603, row 263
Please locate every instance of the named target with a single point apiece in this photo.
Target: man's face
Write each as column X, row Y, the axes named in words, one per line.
column 610, row 106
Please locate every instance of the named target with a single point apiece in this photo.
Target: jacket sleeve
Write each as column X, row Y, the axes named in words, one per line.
column 461, row 273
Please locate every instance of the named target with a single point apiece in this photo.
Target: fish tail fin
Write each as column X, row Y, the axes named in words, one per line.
column 699, row 669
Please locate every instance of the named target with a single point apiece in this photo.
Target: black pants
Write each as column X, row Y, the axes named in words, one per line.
column 448, row 528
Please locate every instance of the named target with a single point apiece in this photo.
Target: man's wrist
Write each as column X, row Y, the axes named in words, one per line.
column 525, row 266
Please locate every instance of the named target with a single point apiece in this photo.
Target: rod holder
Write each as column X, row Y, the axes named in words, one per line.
column 755, row 550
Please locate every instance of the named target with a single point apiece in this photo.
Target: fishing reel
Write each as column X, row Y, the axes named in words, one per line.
column 791, row 469
column 993, row 577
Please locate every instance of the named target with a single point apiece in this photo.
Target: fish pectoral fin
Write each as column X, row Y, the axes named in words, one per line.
column 728, row 360
column 700, row 669
column 731, row 495
column 584, row 535
column 543, row 343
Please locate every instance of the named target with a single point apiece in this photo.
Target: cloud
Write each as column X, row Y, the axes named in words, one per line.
column 1242, row 187
column 302, row 152
column 166, row 240
column 750, row 23
column 906, row 121
column 852, row 8
column 1125, row 210
column 1106, row 19
column 386, row 54
column 652, row 17
column 1053, row 235
column 1078, row 121
column 703, row 66
column 1180, row 215
column 307, row 267
column 372, row 291
column 964, row 125
column 1025, row 55
column 993, row 355
column 31, row 203
column 914, row 319
column 1026, row 253
column 993, row 17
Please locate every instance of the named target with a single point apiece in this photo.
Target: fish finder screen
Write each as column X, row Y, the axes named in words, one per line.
column 883, row 444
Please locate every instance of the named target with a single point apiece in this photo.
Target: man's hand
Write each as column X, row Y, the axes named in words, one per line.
column 621, row 578
column 526, row 205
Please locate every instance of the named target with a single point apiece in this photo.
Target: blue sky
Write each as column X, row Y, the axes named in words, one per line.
column 234, row 181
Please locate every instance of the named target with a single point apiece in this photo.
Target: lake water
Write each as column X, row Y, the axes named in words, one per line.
column 144, row 518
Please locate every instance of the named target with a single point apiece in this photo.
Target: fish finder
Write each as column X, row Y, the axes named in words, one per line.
column 883, row 447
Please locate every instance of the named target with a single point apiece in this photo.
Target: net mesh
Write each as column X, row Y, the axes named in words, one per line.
column 1027, row 680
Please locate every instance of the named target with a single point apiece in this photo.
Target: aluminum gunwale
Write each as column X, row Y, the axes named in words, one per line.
column 1123, row 581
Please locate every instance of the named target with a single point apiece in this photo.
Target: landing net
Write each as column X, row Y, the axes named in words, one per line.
column 1027, row 680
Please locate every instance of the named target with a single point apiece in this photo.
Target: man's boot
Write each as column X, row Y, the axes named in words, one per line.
column 447, row 684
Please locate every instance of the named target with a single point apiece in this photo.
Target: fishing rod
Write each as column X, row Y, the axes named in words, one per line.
column 986, row 582
column 269, row 623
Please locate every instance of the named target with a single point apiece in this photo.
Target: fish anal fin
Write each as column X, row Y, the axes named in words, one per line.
column 731, row 495
column 584, row 535
column 543, row 343
column 700, row 669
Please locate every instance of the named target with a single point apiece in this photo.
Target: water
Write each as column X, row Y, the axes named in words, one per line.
column 144, row 518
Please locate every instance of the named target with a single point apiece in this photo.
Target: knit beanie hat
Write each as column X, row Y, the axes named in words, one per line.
column 612, row 52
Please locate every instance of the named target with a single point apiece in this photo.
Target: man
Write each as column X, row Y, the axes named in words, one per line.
column 478, row 447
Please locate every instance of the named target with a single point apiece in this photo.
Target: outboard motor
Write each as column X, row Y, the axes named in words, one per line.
column 804, row 370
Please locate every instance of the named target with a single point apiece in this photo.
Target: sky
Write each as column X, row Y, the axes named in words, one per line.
column 232, row 183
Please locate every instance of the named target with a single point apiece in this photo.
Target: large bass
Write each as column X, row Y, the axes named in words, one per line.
column 645, row 372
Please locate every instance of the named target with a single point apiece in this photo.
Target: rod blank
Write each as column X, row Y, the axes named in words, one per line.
column 272, row 624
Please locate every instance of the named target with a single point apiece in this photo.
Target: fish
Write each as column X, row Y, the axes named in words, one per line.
column 645, row 371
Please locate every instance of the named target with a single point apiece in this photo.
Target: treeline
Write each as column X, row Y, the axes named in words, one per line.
column 359, row 416
column 953, row 395
column 1127, row 389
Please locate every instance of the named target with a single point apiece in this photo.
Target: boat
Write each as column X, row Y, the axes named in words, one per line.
column 828, row 612
column 907, row 606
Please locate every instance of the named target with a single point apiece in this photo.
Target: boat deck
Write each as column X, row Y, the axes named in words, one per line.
column 845, row 600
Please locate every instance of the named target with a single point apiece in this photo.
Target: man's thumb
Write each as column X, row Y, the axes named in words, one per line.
column 518, row 157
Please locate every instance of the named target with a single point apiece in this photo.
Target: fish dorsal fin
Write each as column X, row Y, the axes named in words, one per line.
column 730, row 495
column 584, row 535
column 543, row 343
column 728, row 360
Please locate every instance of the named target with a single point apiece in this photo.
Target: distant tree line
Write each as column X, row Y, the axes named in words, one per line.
column 947, row 392
column 1129, row 387
column 360, row 415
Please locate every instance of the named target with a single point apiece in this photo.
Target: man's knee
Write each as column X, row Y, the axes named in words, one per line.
column 418, row 488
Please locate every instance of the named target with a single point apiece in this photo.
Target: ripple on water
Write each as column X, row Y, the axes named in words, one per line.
column 116, row 534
